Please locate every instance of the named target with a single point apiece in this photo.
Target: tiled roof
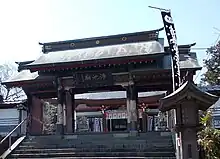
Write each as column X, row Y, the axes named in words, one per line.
column 187, row 60
column 216, row 105
column 206, row 99
column 210, row 88
column 103, row 52
column 24, row 75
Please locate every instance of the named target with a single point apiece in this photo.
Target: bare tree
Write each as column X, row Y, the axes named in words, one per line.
column 7, row 71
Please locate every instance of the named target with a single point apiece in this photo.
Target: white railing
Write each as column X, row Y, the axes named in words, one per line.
column 9, row 135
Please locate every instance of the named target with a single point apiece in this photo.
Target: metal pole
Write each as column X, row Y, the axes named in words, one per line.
column 161, row 9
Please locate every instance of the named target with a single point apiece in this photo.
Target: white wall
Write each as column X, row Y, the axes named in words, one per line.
column 9, row 119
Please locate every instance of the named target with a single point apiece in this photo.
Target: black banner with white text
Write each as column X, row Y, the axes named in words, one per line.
column 172, row 41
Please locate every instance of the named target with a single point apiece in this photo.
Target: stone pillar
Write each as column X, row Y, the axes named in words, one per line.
column 132, row 109
column 186, row 102
column 189, row 144
column 188, row 116
column 73, row 112
column 64, row 115
column 60, row 113
column 104, row 124
column 69, row 114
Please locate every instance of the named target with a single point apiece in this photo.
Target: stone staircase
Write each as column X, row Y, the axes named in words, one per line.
column 151, row 145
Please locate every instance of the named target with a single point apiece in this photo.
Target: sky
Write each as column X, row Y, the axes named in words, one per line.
column 25, row 23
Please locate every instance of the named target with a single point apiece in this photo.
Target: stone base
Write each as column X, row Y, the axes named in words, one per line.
column 133, row 133
column 64, row 129
column 59, row 129
column 132, row 126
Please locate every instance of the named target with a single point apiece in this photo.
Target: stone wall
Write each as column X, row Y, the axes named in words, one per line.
column 49, row 117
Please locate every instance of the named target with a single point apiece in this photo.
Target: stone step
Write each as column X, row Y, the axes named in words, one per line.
column 34, row 150
column 82, row 138
column 148, row 135
column 98, row 140
column 117, row 136
column 22, row 151
column 94, row 154
column 102, row 145
column 111, row 143
column 103, row 158
column 96, row 146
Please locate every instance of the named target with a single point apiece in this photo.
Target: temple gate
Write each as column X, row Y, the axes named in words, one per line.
column 133, row 63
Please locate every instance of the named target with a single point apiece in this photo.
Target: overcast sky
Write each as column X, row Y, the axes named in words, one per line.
column 24, row 23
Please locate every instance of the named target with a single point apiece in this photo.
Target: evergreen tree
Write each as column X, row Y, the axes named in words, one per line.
column 212, row 76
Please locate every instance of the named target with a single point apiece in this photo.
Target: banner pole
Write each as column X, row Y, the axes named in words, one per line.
column 176, row 80
column 161, row 9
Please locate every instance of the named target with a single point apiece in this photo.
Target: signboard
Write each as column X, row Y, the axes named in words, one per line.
column 92, row 79
column 114, row 114
column 172, row 41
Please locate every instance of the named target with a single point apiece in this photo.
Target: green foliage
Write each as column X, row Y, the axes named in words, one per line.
column 213, row 65
column 206, row 119
column 209, row 138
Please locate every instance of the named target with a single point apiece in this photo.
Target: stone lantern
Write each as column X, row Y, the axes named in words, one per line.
column 187, row 101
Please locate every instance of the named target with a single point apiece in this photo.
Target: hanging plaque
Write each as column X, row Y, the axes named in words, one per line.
column 92, row 79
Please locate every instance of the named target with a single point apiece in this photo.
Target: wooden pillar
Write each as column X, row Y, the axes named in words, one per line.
column 20, row 119
column 104, row 121
column 60, row 117
column 144, row 121
column 29, row 103
column 69, row 113
column 132, row 108
column 153, row 123
column 36, row 112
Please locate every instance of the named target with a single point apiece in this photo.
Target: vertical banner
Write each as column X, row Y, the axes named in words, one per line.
column 172, row 41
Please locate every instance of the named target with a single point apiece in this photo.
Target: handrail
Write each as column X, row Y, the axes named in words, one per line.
column 11, row 132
